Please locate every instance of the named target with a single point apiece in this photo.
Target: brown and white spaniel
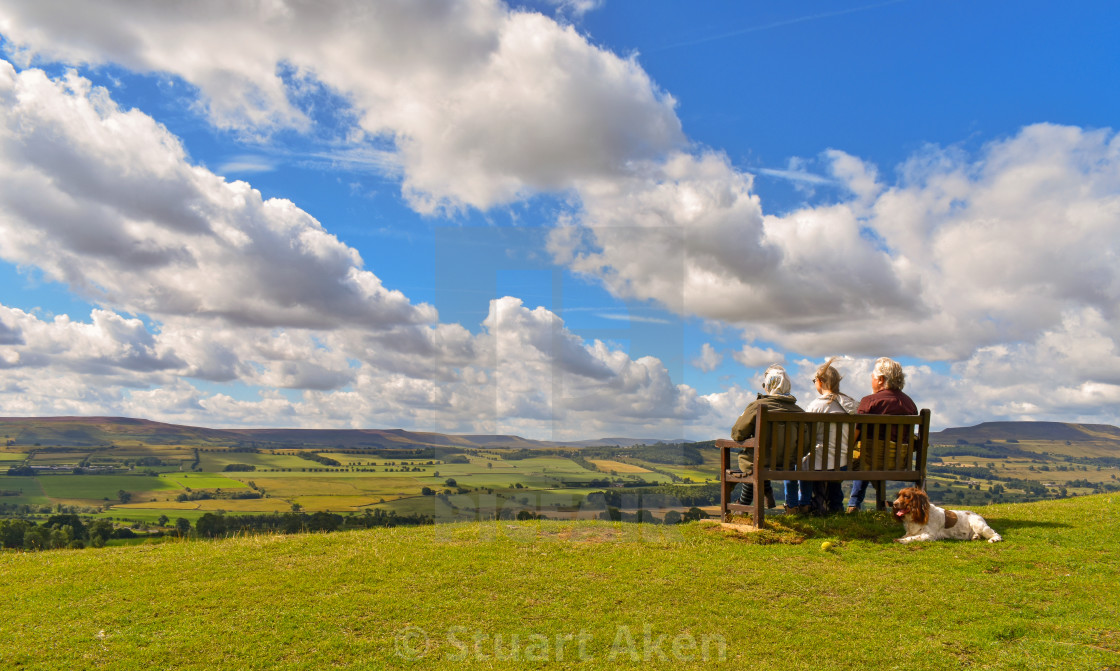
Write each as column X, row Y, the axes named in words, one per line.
column 927, row 522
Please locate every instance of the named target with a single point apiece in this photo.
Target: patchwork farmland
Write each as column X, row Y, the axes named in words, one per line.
column 138, row 472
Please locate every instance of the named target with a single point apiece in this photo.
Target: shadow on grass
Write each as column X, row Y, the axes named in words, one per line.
column 1000, row 523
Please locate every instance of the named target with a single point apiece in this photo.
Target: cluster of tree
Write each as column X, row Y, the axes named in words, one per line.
column 582, row 461
column 663, row 496
column 589, row 484
column 20, row 471
column 1108, row 462
column 206, row 495
column 239, row 467
column 1032, row 487
column 318, row 458
column 58, row 531
column 212, row 525
column 981, row 472
column 1095, row 486
column 692, row 495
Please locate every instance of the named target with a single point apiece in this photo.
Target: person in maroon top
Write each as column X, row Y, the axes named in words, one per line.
column 887, row 381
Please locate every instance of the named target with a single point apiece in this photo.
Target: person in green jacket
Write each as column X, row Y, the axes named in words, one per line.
column 776, row 397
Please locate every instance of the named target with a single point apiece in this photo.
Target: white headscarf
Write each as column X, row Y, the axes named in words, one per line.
column 775, row 381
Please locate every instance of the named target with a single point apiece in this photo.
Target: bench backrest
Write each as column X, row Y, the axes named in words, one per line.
column 879, row 444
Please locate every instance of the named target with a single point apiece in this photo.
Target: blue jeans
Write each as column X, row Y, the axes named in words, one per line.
column 798, row 493
column 859, row 491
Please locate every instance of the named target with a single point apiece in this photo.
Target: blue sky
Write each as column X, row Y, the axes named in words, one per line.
column 557, row 219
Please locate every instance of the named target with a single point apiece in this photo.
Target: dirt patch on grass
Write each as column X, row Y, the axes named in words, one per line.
column 588, row 535
column 1109, row 639
column 775, row 532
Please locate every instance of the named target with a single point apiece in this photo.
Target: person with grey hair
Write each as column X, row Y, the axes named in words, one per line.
column 775, row 397
column 887, row 381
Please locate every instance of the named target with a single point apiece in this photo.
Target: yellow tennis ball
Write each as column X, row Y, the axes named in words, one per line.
column 826, row 546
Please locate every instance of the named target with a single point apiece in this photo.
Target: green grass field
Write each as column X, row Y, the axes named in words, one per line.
column 32, row 491
column 99, row 487
column 204, row 481
column 590, row 595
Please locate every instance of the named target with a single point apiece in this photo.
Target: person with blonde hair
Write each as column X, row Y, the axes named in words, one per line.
column 827, row 496
column 776, row 397
column 887, row 381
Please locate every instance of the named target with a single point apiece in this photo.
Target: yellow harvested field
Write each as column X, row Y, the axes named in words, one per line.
column 618, row 467
column 341, row 486
column 158, row 505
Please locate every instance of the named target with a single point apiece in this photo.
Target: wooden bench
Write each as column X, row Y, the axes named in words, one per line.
column 891, row 447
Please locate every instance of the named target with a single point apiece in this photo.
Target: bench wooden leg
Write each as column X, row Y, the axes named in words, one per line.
column 881, row 495
column 724, row 499
column 759, row 497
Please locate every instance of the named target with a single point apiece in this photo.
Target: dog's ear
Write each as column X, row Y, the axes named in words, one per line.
column 921, row 507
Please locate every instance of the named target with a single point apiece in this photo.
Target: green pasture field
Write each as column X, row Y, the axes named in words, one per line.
column 585, row 595
column 234, row 506
column 170, row 452
column 473, row 505
column 544, row 500
column 331, row 503
column 12, row 456
column 216, row 461
column 331, row 484
column 204, row 481
column 709, row 470
column 547, row 464
column 1014, row 468
column 1080, row 449
column 99, row 487
column 695, row 473
column 417, row 505
column 1090, row 448
column 489, row 480
column 32, row 491
column 278, row 460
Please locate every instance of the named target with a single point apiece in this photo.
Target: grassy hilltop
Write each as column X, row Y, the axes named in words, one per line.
column 585, row 595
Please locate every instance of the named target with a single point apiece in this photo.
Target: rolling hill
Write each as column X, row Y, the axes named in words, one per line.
column 95, row 431
column 1029, row 431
